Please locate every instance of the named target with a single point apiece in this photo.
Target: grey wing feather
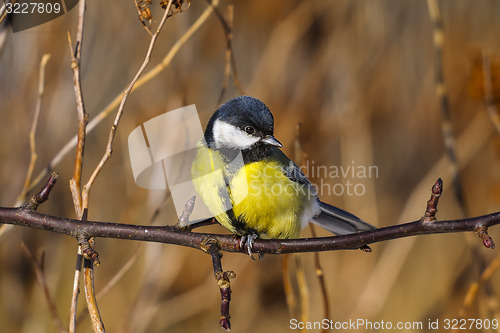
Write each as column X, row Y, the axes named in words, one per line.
column 339, row 221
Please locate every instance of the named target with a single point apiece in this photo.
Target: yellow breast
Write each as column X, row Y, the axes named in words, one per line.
column 268, row 201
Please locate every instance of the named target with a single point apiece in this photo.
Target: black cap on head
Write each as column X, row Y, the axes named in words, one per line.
column 241, row 112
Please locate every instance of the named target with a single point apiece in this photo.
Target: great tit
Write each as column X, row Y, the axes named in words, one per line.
column 250, row 186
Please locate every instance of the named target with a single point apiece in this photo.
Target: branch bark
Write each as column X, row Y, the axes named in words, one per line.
column 23, row 216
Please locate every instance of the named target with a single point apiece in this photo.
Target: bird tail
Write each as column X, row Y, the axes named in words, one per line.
column 339, row 221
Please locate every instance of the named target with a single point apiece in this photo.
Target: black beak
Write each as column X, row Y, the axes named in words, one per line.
column 270, row 140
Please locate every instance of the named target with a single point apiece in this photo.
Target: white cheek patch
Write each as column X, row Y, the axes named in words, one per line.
column 230, row 136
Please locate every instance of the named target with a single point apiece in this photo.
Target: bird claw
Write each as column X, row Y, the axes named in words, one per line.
column 249, row 240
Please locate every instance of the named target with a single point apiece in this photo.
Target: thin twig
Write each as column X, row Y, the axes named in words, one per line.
column 75, row 181
column 3, row 11
column 37, row 266
column 76, row 291
column 321, row 279
column 446, row 126
column 222, row 279
column 68, row 147
column 90, row 258
column 299, row 156
column 33, row 155
column 95, row 317
column 34, row 125
column 109, row 147
column 227, row 25
column 43, row 195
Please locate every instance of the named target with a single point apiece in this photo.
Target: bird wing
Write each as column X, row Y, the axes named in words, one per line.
column 339, row 221
column 292, row 170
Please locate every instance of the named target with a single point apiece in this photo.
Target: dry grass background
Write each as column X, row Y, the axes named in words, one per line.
column 358, row 75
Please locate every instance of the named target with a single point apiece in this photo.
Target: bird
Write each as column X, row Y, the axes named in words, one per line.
column 251, row 187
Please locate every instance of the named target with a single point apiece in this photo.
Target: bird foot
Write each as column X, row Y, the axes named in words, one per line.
column 247, row 241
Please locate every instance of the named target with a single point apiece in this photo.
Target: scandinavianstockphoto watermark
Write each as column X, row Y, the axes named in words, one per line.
column 352, row 325
column 363, row 325
column 339, row 180
column 342, row 180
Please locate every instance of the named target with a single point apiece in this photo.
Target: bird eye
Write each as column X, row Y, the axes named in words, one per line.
column 249, row 129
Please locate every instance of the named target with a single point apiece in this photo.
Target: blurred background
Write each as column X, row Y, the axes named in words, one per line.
column 358, row 75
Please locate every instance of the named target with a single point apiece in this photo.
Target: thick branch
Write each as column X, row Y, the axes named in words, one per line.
column 231, row 243
column 83, row 229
